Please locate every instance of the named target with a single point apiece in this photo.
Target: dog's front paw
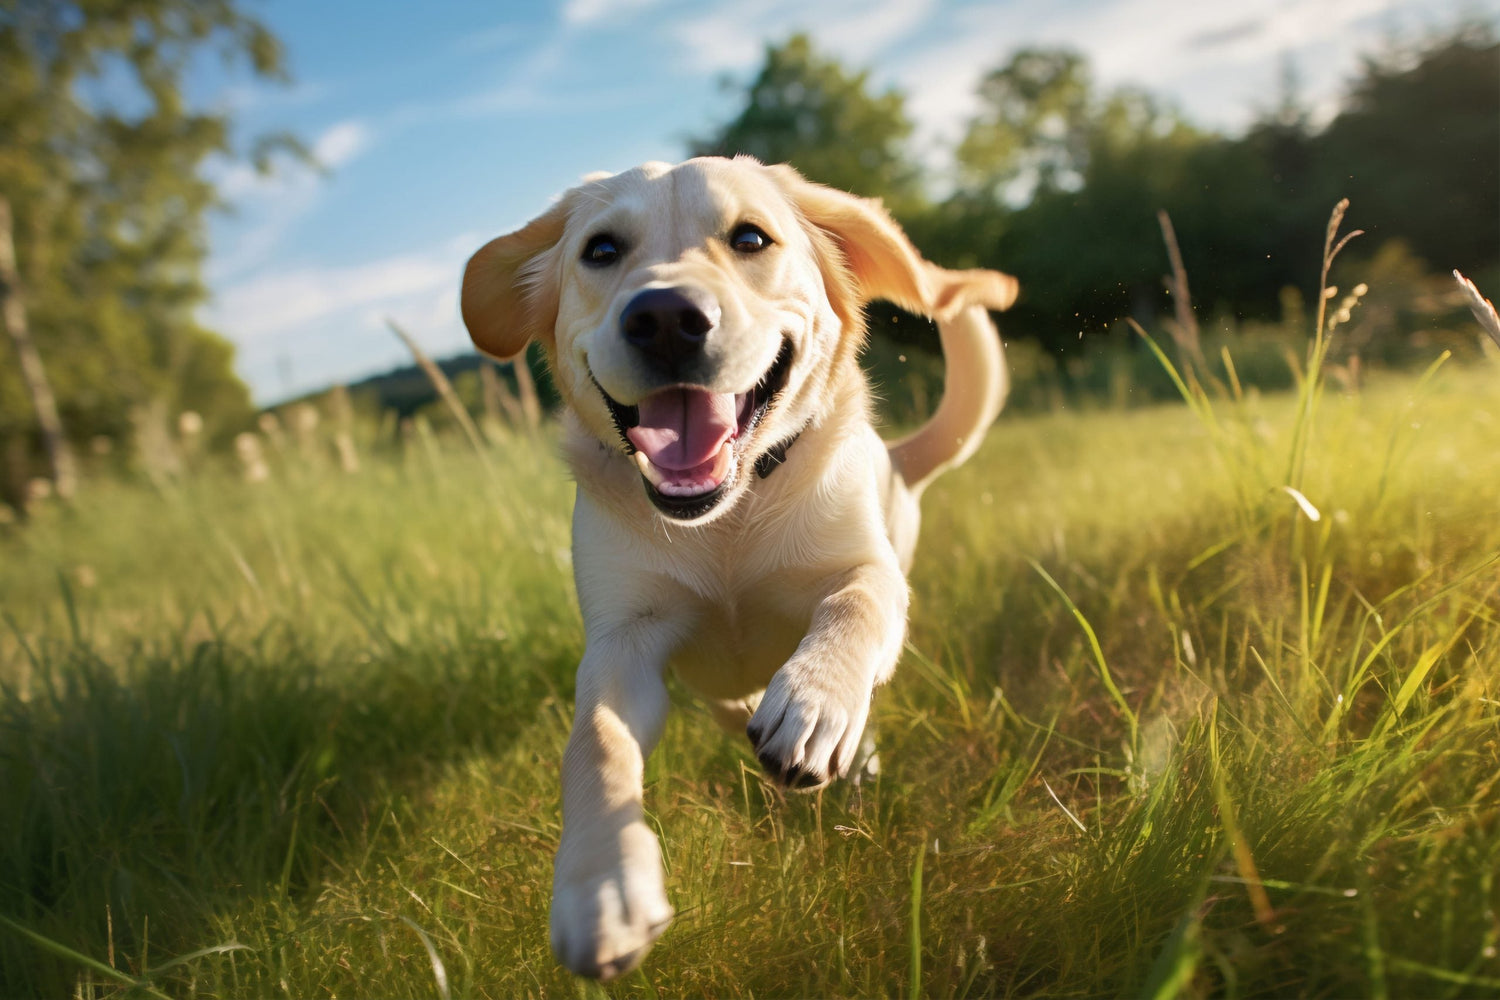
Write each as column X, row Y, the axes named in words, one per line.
column 608, row 906
column 806, row 731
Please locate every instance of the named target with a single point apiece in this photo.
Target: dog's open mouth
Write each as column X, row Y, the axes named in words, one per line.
column 685, row 438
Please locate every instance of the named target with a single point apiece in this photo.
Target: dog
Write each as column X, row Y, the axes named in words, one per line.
column 738, row 519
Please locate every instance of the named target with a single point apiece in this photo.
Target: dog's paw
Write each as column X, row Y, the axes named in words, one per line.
column 607, row 912
column 806, row 731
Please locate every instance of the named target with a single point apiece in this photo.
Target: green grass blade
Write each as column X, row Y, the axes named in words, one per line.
column 1374, row 954
column 1418, row 674
column 1442, row 975
column 439, row 971
column 1103, row 667
column 1291, row 712
column 914, row 982
column 192, row 956
column 1178, row 959
column 1193, row 399
column 63, row 951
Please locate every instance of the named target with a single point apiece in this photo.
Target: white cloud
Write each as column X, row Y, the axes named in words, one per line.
column 589, row 12
column 258, row 95
column 341, row 143
column 273, row 202
column 277, row 199
column 733, row 37
column 1154, row 42
column 235, row 179
column 336, row 146
column 275, row 303
column 1220, row 63
column 298, row 329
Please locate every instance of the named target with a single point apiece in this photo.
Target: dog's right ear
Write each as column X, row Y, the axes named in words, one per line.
column 509, row 298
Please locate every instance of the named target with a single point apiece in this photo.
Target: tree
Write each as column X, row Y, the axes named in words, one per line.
column 1417, row 149
column 807, row 110
column 109, row 204
column 1034, row 130
column 33, row 373
column 1063, row 185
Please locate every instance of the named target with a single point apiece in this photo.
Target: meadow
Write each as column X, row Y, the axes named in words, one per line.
column 1163, row 727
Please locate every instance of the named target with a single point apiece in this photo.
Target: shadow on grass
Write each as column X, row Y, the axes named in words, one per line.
column 146, row 792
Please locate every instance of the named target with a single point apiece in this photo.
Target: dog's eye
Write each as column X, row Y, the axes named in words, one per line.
column 602, row 250
column 749, row 239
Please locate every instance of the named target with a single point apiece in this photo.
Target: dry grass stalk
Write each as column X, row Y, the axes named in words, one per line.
column 1330, row 251
column 443, row 386
column 270, row 425
column 343, row 436
column 252, row 459
column 1349, row 375
column 155, row 449
column 304, row 419
column 1310, row 388
column 1185, row 330
column 343, row 443
column 1482, row 308
column 531, row 406
column 498, row 399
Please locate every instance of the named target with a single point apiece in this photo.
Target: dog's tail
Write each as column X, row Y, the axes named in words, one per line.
column 974, row 387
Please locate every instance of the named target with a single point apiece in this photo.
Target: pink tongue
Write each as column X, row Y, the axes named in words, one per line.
column 681, row 429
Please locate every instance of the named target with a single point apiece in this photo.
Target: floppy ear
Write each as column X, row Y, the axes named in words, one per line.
column 880, row 261
column 507, row 297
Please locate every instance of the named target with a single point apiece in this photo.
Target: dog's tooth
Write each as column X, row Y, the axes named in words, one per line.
column 721, row 463
column 649, row 470
column 667, row 484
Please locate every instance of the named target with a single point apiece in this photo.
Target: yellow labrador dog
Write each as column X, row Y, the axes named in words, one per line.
column 738, row 520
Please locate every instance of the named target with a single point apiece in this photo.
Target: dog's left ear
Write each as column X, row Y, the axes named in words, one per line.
column 507, row 298
column 881, row 263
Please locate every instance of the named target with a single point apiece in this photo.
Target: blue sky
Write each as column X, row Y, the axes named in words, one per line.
column 444, row 123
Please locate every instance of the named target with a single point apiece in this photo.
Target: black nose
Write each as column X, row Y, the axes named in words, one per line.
column 669, row 325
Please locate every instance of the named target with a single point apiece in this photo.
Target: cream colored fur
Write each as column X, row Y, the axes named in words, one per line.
column 785, row 606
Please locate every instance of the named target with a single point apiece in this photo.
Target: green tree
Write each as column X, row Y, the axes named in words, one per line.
column 1060, row 185
column 101, row 156
column 807, row 110
column 1034, row 129
column 1417, row 149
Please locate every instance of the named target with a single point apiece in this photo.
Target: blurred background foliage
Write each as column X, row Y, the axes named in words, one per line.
column 1055, row 180
column 100, row 159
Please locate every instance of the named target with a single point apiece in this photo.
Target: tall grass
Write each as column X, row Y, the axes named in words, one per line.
column 1156, row 732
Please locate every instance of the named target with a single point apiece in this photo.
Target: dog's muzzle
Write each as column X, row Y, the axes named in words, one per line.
column 685, row 440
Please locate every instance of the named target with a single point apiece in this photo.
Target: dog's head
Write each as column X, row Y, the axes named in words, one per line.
column 695, row 315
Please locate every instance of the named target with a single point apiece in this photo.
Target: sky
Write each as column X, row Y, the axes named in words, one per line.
column 440, row 125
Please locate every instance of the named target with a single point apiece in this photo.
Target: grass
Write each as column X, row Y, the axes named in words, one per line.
column 1156, row 732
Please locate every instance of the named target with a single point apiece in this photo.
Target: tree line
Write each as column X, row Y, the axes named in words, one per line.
column 1060, row 182
column 1055, row 179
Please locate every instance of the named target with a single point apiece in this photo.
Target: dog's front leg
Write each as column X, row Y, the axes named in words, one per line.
column 609, row 900
column 806, row 730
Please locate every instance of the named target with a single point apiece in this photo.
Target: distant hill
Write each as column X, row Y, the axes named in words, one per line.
column 406, row 390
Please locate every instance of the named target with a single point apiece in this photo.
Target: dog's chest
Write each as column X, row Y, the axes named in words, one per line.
column 735, row 641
